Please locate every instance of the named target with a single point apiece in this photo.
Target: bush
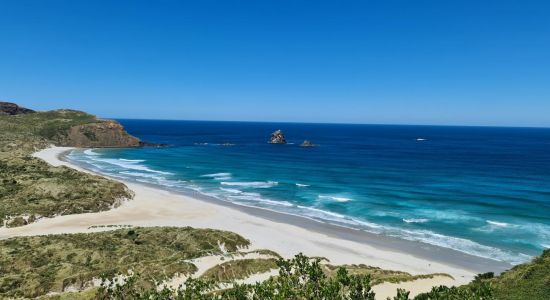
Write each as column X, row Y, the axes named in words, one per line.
column 299, row 278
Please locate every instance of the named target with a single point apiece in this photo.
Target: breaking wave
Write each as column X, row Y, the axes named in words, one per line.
column 251, row 184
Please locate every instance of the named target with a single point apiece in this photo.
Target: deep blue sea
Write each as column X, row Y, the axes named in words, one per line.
column 480, row 190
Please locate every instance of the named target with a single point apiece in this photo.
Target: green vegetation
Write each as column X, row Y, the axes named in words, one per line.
column 243, row 268
column 239, row 269
column 526, row 281
column 23, row 134
column 299, row 278
column 34, row 266
column 378, row 275
column 30, row 188
column 52, row 126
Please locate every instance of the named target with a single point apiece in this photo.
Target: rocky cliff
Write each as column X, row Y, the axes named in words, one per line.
column 8, row 108
column 64, row 127
column 100, row 134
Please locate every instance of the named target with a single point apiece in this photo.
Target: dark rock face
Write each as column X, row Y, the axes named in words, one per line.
column 277, row 137
column 8, row 108
column 307, row 143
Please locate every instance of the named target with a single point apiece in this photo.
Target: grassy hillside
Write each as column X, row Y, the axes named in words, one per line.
column 30, row 188
column 34, row 266
column 526, row 281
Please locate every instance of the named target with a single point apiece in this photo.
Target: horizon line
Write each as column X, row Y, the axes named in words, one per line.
column 332, row 123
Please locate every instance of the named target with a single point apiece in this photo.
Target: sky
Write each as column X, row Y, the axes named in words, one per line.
column 375, row 62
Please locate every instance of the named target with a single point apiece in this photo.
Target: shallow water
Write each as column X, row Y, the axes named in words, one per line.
column 480, row 190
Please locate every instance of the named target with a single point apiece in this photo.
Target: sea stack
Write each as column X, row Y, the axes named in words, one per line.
column 277, row 137
column 307, row 143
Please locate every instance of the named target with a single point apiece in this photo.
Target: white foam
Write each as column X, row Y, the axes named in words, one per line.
column 139, row 174
column 252, row 184
column 336, row 217
column 460, row 244
column 415, row 220
column 255, row 197
column 420, row 139
column 429, row 237
column 90, row 152
column 132, row 160
column 233, row 191
column 335, row 198
column 302, row 185
column 448, row 216
column 218, row 176
column 499, row 224
column 132, row 165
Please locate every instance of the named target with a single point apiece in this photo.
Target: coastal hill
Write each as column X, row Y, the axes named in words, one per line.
column 8, row 108
column 153, row 262
column 32, row 189
column 65, row 128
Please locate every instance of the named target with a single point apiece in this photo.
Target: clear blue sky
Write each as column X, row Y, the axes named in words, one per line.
column 403, row 62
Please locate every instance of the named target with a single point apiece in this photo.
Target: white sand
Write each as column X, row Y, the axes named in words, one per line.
column 415, row 287
column 205, row 263
column 157, row 207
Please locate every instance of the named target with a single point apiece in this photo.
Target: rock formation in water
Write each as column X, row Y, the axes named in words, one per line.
column 307, row 143
column 8, row 108
column 277, row 137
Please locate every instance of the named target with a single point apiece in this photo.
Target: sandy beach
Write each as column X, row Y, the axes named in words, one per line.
column 287, row 235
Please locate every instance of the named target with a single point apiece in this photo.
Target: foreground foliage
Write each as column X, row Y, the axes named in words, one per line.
column 34, row 266
column 525, row 281
column 299, row 278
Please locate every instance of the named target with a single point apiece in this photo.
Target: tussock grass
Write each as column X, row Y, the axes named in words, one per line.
column 34, row 266
column 30, row 188
column 239, row 269
column 379, row 275
column 526, row 281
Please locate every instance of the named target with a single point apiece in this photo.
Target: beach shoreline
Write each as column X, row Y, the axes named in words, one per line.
column 283, row 233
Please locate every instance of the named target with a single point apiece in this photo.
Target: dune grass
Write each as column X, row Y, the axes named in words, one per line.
column 379, row 275
column 526, row 281
column 34, row 266
column 30, row 188
column 239, row 269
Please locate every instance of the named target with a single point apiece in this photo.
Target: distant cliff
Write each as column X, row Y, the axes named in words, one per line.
column 8, row 108
column 66, row 127
column 98, row 134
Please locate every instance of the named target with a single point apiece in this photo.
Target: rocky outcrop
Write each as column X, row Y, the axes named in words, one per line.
column 100, row 134
column 307, row 143
column 8, row 108
column 277, row 137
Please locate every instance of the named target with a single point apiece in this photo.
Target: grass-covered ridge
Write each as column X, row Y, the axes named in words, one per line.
column 239, row 269
column 35, row 266
column 526, row 281
column 378, row 275
column 31, row 189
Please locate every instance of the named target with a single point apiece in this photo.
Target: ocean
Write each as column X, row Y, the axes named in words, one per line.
column 484, row 191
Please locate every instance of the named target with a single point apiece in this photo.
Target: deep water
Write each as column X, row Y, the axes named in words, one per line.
column 480, row 190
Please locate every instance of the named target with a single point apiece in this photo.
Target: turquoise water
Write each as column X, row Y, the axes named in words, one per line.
column 480, row 190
